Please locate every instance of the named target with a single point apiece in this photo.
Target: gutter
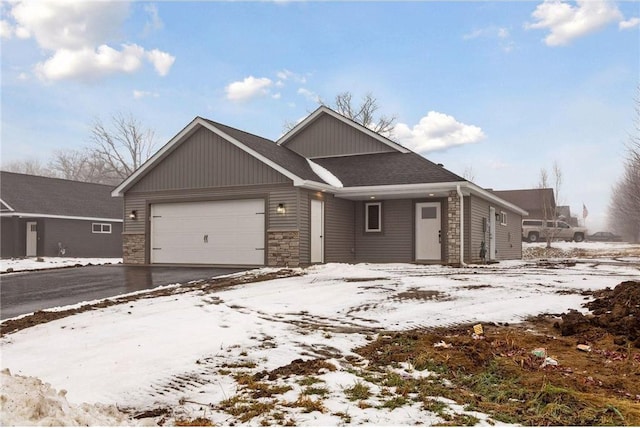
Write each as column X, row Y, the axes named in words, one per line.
column 461, row 196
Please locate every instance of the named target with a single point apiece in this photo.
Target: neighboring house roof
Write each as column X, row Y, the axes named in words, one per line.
column 383, row 169
column 532, row 200
column 31, row 195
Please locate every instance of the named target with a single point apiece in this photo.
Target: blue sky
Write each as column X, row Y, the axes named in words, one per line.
column 501, row 88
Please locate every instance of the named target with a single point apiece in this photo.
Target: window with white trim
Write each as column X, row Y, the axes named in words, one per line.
column 101, row 227
column 373, row 217
column 503, row 218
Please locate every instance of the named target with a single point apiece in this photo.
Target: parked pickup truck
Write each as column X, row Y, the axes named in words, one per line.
column 535, row 230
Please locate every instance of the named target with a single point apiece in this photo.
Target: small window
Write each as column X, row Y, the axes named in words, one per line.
column 101, row 228
column 373, row 217
column 503, row 218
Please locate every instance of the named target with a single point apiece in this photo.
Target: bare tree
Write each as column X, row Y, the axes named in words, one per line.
column 624, row 207
column 122, row 147
column 29, row 166
column 81, row 165
column 364, row 114
column 469, row 173
column 548, row 207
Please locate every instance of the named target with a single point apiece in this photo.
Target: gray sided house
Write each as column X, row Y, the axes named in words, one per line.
column 42, row 216
column 330, row 190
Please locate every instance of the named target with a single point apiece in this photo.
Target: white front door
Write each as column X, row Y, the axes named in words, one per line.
column 32, row 239
column 317, row 231
column 428, row 232
column 492, row 233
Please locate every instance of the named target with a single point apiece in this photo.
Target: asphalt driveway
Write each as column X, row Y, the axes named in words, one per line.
column 23, row 293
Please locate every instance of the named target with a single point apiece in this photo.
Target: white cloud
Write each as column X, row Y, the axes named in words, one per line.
column 436, row 131
column 290, row 75
column 143, row 94
column 566, row 22
column 248, row 88
column 78, row 36
column 155, row 22
column 310, row 95
column 89, row 64
column 500, row 33
column 162, row 61
column 628, row 24
column 6, row 29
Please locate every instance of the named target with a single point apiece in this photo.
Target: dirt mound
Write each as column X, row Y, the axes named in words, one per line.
column 615, row 311
column 298, row 367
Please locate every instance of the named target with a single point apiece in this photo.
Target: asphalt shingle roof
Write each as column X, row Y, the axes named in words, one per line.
column 54, row 196
column 386, row 169
column 282, row 156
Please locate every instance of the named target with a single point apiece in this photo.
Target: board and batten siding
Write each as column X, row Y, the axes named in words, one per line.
column 339, row 230
column 328, row 136
column 508, row 237
column 204, row 160
column 394, row 244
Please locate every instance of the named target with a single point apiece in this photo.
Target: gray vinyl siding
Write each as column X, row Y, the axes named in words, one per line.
column 273, row 194
column 304, row 207
column 508, row 238
column 328, row 136
column 395, row 243
column 339, row 230
column 206, row 160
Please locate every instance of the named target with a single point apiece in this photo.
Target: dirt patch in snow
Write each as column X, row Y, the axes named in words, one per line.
column 215, row 284
column 298, row 367
column 530, row 373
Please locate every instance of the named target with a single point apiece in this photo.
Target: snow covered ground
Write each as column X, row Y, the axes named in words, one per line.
column 40, row 263
column 182, row 351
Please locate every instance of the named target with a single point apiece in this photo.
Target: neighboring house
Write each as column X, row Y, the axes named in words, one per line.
column 534, row 201
column 330, row 190
column 43, row 216
column 564, row 214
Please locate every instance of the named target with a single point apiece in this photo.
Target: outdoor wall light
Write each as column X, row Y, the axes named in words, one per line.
column 133, row 215
column 280, row 209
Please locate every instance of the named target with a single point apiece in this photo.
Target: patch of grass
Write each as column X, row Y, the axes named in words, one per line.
column 197, row 422
column 308, row 404
column 309, row 380
column 315, row 390
column 244, row 409
column 359, row 391
column 394, row 403
column 241, row 365
column 346, row 417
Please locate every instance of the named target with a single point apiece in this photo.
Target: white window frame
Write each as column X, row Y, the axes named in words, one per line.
column 366, row 216
column 503, row 218
column 104, row 228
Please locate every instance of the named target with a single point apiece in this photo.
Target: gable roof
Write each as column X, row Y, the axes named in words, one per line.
column 283, row 160
column 282, row 156
column 381, row 169
column 531, row 200
column 23, row 194
column 323, row 110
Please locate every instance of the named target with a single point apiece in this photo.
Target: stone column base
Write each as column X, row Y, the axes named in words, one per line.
column 283, row 248
column 133, row 248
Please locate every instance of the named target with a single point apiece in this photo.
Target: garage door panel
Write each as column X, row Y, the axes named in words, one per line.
column 217, row 232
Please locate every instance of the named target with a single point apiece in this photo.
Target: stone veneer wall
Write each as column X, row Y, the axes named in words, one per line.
column 283, row 248
column 453, row 229
column 133, row 245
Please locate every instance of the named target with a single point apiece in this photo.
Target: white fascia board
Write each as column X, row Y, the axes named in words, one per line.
column 315, row 185
column 473, row 188
column 198, row 121
column 323, row 109
column 395, row 189
column 65, row 217
column 119, row 191
column 7, row 205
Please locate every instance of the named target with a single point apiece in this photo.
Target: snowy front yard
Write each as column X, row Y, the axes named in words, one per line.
column 187, row 352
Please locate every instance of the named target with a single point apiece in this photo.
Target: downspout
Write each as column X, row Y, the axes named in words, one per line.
column 461, row 196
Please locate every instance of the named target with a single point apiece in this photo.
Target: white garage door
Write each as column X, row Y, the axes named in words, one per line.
column 220, row 232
